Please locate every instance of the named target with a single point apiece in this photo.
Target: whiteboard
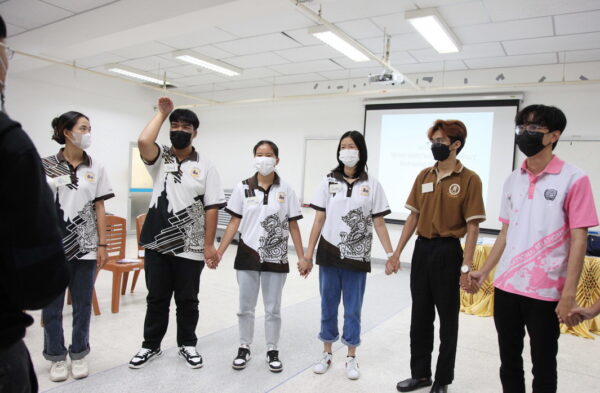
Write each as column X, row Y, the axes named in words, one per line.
column 584, row 155
column 319, row 159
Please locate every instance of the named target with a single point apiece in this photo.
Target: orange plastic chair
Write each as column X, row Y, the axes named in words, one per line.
column 139, row 223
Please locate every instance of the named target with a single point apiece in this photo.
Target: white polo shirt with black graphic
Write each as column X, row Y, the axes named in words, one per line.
column 183, row 191
column 264, row 228
column 347, row 234
column 75, row 192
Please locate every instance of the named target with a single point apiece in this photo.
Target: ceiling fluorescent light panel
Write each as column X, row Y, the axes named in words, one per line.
column 136, row 74
column 429, row 23
column 208, row 63
column 339, row 43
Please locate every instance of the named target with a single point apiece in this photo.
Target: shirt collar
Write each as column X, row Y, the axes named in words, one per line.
column 253, row 181
column 457, row 169
column 192, row 157
column 553, row 167
column 340, row 176
column 87, row 160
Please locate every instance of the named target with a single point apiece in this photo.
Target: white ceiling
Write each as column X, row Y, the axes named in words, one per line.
column 268, row 39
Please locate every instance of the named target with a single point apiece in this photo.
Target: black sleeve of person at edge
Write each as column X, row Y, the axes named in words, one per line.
column 33, row 268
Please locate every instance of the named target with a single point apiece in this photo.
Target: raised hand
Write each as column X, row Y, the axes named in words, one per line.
column 165, row 105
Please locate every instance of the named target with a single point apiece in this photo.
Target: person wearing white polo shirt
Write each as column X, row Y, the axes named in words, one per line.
column 348, row 203
column 547, row 206
column 179, row 231
column 80, row 186
column 266, row 211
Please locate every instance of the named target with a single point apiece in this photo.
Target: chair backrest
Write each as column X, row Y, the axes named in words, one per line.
column 116, row 235
column 139, row 223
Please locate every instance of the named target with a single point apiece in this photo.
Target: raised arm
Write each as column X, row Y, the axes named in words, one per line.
column 147, row 139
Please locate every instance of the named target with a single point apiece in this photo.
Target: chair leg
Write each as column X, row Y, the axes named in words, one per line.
column 116, row 292
column 136, row 274
column 124, row 285
column 95, row 304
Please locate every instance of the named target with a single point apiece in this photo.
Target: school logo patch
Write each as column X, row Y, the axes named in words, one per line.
column 90, row 177
column 281, row 197
column 454, row 189
column 550, row 194
column 364, row 191
column 195, row 172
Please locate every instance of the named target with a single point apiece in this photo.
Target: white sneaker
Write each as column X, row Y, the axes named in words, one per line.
column 79, row 368
column 352, row 371
column 59, row 371
column 323, row 365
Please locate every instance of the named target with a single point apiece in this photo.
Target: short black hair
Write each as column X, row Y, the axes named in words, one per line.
column 2, row 28
column 66, row 121
column 548, row 116
column 359, row 141
column 185, row 116
column 265, row 142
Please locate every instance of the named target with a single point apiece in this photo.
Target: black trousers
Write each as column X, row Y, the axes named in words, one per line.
column 167, row 275
column 434, row 284
column 16, row 370
column 512, row 314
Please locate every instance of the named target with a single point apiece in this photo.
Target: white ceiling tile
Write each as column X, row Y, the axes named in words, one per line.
column 282, row 80
column 553, row 44
column 311, row 66
column 13, row 30
column 518, row 9
column 393, row 23
column 242, row 84
column 361, row 28
column 349, row 63
column 464, row 14
column 258, row 60
column 512, row 61
column 269, row 22
column 340, row 74
column 467, row 52
column 212, row 51
column 31, row 13
column 186, row 70
column 398, row 43
column 253, row 73
column 152, row 63
column 100, row 59
column 199, row 37
column 584, row 22
column 264, row 43
column 207, row 88
column 437, row 66
column 78, row 5
column 582, row 56
column 309, row 53
column 200, row 79
column 342, row 10
column 401, row 57
column 303, row 37
column 504, row 31
column 142, row 50
column 436, row 3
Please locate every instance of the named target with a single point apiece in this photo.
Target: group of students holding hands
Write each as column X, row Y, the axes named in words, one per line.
column 546, row 208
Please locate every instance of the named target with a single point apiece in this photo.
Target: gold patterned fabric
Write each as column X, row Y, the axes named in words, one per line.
column 588, row 291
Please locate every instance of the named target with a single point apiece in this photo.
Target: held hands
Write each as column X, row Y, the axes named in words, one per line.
column 564, row 311
column 305, row 266
column 212, row 256
column 472, row 281
column 165, row 105
column 392, row 265
column 580, row 314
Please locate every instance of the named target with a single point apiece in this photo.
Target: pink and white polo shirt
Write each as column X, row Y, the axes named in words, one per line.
column 541, row 210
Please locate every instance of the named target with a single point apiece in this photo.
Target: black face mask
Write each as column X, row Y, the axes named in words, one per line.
column 440, row 151
column 530, row 144
column 180, row 139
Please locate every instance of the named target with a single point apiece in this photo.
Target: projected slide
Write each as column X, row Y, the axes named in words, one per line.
column 405, row 150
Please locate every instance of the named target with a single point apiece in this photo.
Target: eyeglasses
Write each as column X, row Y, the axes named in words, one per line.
column 440, row 140
column 9, row 52
column 531, row 129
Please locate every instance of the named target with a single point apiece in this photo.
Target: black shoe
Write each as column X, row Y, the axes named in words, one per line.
column 143, row 356
column 191, row 356
column 275, row 364
column 241, row 360
column 439, row 388
column 410, row 384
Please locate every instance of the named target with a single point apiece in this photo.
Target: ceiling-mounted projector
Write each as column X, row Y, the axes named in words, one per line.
column 385, row 78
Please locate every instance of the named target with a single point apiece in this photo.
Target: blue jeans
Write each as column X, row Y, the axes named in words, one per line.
column 81, row 282
column 333, row 283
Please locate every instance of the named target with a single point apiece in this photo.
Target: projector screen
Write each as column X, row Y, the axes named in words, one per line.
column 396, row 136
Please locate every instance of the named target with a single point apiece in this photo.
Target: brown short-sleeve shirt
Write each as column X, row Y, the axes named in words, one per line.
column 446, row 205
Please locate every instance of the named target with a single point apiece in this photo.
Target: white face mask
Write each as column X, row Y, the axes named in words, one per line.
column 349, row 157
column 265, row 165
column 82, row 141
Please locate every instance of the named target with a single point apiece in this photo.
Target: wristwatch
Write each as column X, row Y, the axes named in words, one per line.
column 465, row 269
column 389, row 254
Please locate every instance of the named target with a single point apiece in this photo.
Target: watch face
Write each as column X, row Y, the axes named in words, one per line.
column 464, row 269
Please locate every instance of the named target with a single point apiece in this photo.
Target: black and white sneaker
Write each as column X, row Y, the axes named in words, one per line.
column 191, row 356
column 241, row 360
column 143, row 356
column 275, row 364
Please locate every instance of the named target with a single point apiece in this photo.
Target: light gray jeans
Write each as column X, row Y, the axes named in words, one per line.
column 250, row 282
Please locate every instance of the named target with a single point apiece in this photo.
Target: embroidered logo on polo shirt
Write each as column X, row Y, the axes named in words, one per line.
column 550, row 194
column 281, row 197
column 454, row 189
column 90, row 177
column 195, row 172
column 364, row 191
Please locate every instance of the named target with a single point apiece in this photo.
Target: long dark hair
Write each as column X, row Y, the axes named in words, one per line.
column 66, row 121
column 359, row 141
